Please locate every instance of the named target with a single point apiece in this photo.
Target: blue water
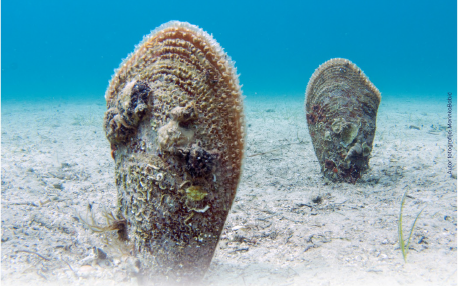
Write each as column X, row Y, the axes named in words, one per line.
column 54, row 49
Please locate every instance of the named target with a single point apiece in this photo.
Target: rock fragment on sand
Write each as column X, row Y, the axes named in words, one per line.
column 176, row 127
column 341, row 109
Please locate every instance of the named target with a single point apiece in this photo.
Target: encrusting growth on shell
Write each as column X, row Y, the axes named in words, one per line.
column 341, row 110
column 176, row 127
column 123, row 116
column 354, row 151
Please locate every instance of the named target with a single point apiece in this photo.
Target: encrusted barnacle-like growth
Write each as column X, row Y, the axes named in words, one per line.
column 184, row 115
column 348, row 133
column 172, row 136
column 121, row 119
column 354, row 151
column 176, row 127
column 198, row 161
column 366, row 149
column 341, row 110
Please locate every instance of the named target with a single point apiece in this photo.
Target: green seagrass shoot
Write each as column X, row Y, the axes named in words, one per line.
column 403, row 244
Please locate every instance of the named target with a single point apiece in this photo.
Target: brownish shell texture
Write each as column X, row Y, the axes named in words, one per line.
column 341, row 110
column 176, row 127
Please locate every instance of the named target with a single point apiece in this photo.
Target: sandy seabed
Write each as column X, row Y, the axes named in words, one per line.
column 287, row 225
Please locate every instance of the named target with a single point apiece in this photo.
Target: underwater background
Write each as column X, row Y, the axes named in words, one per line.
column 288, row 223
column 54, row 49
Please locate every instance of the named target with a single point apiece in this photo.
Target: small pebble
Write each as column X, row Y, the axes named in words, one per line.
column 58, row 186
column 86, row 269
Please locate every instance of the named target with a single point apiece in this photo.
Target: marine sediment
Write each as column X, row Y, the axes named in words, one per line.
column 176, row 127
column 341, row 110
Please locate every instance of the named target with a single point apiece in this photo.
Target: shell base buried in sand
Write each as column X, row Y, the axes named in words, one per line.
column 176, row 127
column 341, row 110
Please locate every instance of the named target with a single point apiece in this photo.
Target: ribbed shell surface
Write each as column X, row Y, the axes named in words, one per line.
column 176, row 127
column 341, row 109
